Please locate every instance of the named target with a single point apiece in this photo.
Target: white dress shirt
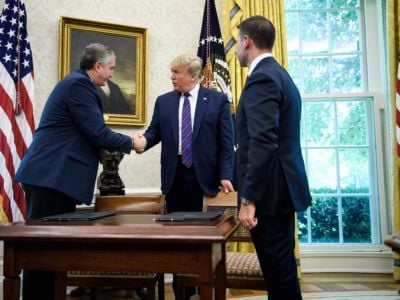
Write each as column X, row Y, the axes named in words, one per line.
column 255, row 62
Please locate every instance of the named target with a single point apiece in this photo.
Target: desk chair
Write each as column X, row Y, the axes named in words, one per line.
column 145, row 204
column 242, row 269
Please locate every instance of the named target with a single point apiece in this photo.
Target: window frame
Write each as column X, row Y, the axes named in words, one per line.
column 375, row 85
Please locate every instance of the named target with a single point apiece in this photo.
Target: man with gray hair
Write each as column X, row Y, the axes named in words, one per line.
column 194, row 127
column 59, row 169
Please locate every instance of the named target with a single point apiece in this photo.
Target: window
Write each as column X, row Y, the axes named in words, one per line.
column 327, row 60
column 339, row 150
column 324, row 40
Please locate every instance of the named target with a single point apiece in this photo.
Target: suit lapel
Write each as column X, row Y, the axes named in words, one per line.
column 201, row 105
column 175, row 116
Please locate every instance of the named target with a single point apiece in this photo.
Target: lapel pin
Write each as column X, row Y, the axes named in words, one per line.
column 205, row 99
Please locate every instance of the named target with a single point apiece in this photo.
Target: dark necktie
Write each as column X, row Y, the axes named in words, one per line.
column 186, row 147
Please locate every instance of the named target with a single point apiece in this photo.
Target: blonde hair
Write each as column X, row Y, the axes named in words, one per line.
column 193, row 63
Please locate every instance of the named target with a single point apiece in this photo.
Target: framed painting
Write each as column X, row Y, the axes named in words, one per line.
column 124, row 96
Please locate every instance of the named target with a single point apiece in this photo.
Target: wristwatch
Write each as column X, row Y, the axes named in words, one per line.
column 244, row 201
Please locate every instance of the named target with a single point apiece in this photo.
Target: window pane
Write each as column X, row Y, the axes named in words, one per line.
column 292, row 33
column 325, row 222
column 291, row 4
column 322, row 170
column 320, row 123
column 345, row 3
column 314, row 28
column 346, row 71
column 307, row 4
column 316, row 75
column 302, row 228
column 352, row 123
column 295, row 70
column 356, row 220
column 354, row 170
column 345, row 31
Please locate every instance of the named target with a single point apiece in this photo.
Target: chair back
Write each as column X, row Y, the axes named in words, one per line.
column 131, row 204
column 228, row 203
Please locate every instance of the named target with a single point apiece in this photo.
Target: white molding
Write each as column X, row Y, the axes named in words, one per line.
column 354, row 262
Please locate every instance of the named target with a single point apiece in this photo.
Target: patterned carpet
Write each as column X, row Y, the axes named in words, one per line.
column 349, row 295
column 355, row 295
column 315, row 286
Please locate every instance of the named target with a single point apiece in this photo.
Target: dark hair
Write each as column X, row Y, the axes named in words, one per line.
column 260, row 30
column 95, row 53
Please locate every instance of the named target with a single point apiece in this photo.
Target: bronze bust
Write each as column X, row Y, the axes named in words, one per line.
column 109, row 182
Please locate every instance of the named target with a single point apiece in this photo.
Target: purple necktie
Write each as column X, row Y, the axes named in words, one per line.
column 186, row 148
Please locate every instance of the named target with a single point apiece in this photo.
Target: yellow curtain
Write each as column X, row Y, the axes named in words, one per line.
column 393, row 38
column 3, row 216
column 234, row 12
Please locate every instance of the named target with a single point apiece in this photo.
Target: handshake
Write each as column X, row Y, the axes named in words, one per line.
column 139, row 143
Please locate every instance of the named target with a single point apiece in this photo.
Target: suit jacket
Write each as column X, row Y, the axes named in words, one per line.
column 271, row 169
column 212, row 141
column 64, row 154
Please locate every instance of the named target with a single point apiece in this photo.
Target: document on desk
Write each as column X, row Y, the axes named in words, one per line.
column 79, row 216
column 181, row 216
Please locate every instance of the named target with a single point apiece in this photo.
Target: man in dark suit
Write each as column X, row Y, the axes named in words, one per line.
column 209, row 167
column 212, row 139
column 272, row 182
column 59, row 169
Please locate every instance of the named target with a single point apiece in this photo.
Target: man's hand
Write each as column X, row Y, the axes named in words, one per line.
column 226, row 186
column 247, row 216
column 140, row 143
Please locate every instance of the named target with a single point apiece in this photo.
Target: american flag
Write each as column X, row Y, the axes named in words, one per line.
column 215, row 68
column 211, row 50
column 16, row 109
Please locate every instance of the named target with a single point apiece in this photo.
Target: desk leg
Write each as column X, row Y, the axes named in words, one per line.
column 206, row 291
column 212, row 285
column 12, row 286
column 220, row 281
column 220, row 276
column 60, row 285
column 11, row 281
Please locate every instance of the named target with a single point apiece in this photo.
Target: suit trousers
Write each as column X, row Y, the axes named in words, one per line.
column 42, row 202
column 274, row 241
column 186, row 193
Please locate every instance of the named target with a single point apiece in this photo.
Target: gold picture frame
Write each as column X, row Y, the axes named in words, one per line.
column 130, row 75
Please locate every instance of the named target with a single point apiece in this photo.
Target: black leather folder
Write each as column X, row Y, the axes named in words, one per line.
column 180, row 216
column 80, row 216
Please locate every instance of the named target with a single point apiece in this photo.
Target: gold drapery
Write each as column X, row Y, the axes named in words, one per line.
column 393, row 38
column 234, row 12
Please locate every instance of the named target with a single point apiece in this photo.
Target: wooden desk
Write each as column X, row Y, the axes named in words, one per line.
column 118, row 243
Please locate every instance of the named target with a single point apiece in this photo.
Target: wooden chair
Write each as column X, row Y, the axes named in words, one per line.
column 131, row 280
column 242, row 269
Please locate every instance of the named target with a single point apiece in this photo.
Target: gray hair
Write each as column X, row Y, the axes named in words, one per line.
column 95, row 53
column 192, row 62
